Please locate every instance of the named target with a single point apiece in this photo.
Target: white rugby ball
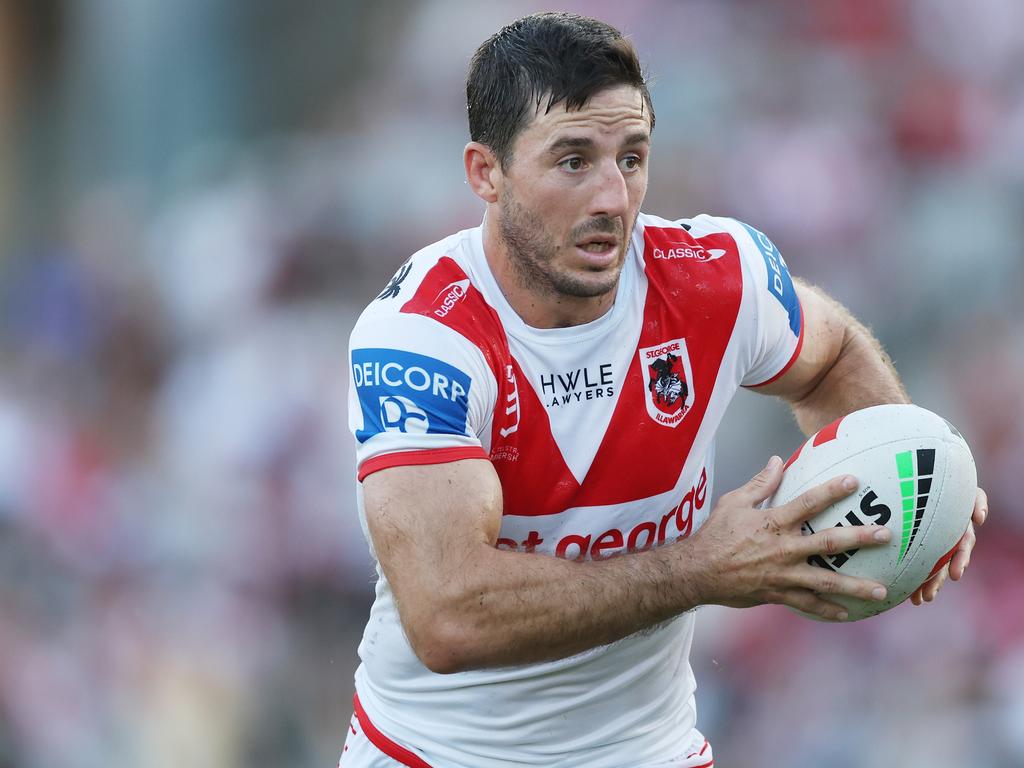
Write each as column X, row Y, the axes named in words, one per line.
column 917, row 477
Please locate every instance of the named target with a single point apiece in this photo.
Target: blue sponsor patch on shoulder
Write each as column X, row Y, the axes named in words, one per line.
column 405, row 392
column 779, row 282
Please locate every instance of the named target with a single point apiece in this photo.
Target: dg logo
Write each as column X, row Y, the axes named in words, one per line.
column 400, row 414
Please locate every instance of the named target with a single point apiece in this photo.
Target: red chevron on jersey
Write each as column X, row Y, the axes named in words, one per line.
column 685, row 311
column 447, row 295
column 534, row 477
column 694, row 300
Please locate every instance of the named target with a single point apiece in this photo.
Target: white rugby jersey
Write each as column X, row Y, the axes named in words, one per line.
column 603, row 438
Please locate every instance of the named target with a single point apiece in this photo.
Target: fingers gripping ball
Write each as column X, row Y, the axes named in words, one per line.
column 917, row 478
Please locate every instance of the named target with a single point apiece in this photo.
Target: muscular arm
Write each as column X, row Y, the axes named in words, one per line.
column 465, row 604
column 841, row 368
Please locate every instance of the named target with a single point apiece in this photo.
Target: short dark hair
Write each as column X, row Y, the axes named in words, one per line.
column 560, row 57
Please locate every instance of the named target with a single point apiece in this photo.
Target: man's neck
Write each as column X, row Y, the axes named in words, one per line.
column 537, row 305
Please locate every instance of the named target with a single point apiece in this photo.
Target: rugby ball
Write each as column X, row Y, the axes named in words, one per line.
column 917, row 477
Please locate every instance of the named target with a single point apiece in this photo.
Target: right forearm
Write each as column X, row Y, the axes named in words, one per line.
column 506, row 608
column 466, row 604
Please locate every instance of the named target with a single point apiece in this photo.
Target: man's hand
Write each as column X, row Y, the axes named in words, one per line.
column 961, row 558
column 760, row 556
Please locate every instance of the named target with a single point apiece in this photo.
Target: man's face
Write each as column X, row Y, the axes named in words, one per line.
column 571, row 193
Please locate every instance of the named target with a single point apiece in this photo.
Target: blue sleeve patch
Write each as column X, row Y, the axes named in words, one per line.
column 410, row 393
column 779, row 282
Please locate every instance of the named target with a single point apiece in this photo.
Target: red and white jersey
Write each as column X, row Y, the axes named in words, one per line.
column 603, row 438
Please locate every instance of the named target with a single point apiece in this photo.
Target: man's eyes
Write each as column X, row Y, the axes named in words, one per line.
column 576, row 163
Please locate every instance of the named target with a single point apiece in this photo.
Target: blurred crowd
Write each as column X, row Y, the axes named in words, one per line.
column 196, row 200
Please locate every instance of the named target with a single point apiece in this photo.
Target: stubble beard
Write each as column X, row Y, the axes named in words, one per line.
column 533, row 253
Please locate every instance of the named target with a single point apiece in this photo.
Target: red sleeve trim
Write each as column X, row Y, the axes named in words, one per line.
column 383, row 743
column 418, row 458
column 787, row 366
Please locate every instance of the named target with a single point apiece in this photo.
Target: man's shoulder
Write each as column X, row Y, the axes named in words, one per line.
column 436, row 274
column 695, row 241
column 701, row 238
column 409, row 276
column 433, row 300
column 696, row 226
column 740, row 254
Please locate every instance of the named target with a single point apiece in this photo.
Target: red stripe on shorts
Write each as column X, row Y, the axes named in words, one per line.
column 405, row 757
column 383, row 743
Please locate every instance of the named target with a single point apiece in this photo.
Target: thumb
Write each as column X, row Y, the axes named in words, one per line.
column 763, row 484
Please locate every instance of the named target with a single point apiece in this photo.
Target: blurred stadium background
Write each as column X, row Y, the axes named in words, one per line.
column 196, row 199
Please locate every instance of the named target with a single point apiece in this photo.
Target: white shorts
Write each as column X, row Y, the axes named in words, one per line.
column 367, row 747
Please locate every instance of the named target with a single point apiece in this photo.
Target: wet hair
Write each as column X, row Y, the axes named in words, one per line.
column 547, row 57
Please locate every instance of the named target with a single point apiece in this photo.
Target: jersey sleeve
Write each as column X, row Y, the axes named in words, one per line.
column 418, row 393
column 777, row 316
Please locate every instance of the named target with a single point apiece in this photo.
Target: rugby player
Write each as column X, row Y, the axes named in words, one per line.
column 535, row 403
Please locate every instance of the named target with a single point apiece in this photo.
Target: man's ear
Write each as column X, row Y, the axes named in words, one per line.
column 483, row 171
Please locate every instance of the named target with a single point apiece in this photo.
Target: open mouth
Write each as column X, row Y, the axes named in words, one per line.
column 598, row 244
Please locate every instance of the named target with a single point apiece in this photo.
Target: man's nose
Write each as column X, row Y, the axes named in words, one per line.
column 611, row 198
